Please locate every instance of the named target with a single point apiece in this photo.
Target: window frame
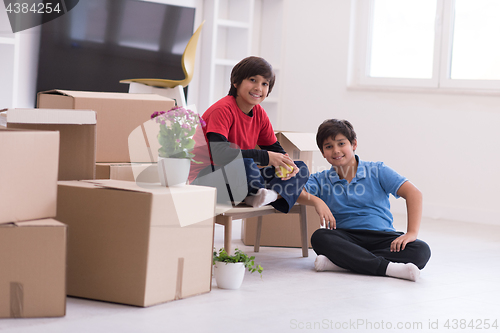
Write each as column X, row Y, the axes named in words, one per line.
column 361, row 25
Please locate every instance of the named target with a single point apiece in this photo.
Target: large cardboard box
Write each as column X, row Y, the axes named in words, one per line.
column 77, row 128
column 140, row 172
column 28, row 174
column 137, row 245
column 284, row 229
column 279, row 229
column 33, row 269
column 118, row 114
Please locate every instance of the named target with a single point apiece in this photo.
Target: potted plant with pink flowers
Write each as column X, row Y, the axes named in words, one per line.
column 177, row 128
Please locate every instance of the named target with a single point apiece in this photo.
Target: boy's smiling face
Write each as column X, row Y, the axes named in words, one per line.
column 339, row 151
column 251, row 91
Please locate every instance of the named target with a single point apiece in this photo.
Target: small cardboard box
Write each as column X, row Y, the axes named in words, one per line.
column 140, row 172
column 118, row 114
column 33, row 266
column 77, row 128
column 137, row 245
column 283, row 229
column 300, row 146
column 28, row 174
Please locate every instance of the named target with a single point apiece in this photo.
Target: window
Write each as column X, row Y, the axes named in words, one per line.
column 445, row 44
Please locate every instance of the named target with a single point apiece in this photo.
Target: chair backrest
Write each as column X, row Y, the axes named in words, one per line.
column 189, row 55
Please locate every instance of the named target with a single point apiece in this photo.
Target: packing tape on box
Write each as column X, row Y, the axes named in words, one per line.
column 178, row 285
column 16, row 299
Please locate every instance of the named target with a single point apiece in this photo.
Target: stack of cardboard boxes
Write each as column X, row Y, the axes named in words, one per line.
column 128, row 242
column 32, row 243
column 118, row 116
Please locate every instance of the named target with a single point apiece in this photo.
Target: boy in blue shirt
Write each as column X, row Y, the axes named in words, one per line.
column 352, row 198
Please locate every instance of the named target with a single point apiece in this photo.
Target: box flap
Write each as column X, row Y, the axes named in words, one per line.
column 105, row 95
column 125, row 185
column 34, row 223
column 51, row 116
column 303, row 141
column 140, row 187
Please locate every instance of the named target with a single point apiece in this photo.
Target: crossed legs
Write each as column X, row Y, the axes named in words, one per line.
column 368, row 252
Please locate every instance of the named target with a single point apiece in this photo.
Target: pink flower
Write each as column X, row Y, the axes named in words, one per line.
column 202, row 122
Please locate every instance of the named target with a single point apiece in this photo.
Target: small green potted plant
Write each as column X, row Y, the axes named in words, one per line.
column 229, row 270
column 177, row 128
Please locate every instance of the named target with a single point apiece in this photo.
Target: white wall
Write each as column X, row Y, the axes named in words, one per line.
column 448, row 145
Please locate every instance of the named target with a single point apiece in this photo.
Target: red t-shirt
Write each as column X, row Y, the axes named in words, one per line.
column 226, row 118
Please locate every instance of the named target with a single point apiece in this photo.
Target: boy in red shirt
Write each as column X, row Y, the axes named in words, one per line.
column 235, row 125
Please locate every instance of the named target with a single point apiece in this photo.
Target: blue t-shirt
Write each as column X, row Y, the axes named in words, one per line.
column 364, row 202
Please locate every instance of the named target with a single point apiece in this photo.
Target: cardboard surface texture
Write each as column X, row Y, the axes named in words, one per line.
column 77, row 128
column 280, row 229
column 283, row 229
column 140, row 172
column 33, row 266
column 137, row 245
column 118, row 114
column 28, row 174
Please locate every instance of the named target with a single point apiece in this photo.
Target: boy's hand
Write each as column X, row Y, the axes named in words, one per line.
column 399, row 243
column 326, row 219
column 278, row 159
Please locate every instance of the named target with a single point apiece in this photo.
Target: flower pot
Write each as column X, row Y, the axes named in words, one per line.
column 173, row 171
column 229, row 275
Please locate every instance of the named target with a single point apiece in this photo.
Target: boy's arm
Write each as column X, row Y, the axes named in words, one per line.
column 326, row 218
column 413, row 198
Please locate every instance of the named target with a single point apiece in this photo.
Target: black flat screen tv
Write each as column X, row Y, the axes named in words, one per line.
column 100, row 42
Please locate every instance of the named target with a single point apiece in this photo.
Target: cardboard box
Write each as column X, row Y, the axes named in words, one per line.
column 77, row 128
column 283, row 229
column 140, row 172
column 118, row 114
column 28, row 174
column 279, row 229
column 137, row 245
column 3, row 118
column 33, row 266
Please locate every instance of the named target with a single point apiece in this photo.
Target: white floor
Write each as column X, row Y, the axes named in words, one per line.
column 458, row 292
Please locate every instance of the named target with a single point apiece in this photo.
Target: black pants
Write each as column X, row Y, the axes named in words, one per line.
column 367, row 251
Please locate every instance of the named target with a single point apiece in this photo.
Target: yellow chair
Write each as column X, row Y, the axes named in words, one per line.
column 188, row 59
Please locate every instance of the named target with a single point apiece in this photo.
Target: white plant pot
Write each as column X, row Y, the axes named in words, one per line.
column 229, row 275
column 173, row 171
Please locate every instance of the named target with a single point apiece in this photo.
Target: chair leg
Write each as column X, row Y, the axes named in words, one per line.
column 227, row 222
column 256, row 245
column 228, row 234
column 303, row 230
column 178, row 95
